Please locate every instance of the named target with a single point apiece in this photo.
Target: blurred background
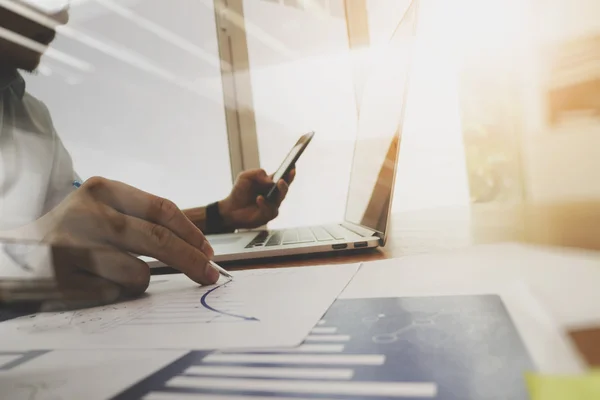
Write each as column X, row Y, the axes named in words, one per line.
column 182, row 95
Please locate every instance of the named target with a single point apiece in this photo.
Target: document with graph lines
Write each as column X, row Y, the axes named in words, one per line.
column 267, row 307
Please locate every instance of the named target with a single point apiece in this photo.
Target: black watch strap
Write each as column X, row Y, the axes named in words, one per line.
column 214, row 220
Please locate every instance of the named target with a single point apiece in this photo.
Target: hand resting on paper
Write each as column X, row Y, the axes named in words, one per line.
column 96, row 230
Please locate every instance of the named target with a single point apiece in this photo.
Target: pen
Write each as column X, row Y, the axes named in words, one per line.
column 221, row 270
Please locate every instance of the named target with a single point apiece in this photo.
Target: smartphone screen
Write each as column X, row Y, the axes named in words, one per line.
column 286, row 163
column 290, row 160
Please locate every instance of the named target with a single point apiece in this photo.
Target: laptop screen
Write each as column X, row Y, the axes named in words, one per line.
column 381, row 110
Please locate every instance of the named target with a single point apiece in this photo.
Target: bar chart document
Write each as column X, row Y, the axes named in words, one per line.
column 267, row 307
column 442, row 347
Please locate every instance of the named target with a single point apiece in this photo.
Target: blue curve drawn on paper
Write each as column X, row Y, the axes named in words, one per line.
column 205, row 305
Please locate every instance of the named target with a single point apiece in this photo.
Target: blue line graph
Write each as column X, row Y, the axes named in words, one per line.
column 203, row 301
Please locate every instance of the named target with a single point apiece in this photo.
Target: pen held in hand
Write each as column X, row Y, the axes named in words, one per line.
column 221, row 270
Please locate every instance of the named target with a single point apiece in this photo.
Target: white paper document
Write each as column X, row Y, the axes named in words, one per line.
column 267, row 307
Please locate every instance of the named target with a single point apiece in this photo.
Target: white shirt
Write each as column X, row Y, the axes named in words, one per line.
column 36, row 171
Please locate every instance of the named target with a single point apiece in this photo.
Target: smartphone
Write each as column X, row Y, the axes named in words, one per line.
column 289, row 163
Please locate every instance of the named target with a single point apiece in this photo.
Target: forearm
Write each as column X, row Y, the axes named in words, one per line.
column 209, row 219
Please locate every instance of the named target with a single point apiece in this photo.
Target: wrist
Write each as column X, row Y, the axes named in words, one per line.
column 224, row 207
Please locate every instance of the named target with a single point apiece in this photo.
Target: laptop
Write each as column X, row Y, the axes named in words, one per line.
column 373, row 170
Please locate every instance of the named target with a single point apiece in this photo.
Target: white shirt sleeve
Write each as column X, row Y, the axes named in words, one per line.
column 62, row 176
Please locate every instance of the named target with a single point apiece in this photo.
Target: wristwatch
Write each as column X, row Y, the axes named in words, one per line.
column 214, row 220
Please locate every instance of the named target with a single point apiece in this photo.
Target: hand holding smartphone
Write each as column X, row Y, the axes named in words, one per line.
column 289, row 163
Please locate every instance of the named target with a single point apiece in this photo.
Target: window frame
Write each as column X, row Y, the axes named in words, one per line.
column 237, row 86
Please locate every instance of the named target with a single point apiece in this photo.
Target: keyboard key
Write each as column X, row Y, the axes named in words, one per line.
column 336, row 232
column 258, row 240
column 321, row 234
column 305, row 235
column 290, row 237
column 275, row 239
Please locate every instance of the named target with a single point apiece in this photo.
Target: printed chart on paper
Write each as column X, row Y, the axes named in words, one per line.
column 276, row 307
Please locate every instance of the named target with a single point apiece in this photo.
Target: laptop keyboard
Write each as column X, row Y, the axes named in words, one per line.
column 295, row 236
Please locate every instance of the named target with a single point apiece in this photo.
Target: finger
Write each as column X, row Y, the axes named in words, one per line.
column 261, row 180
column 82, row 291
column 291, row 176
column 282, row 188
column 76, row 287
column 257, row 175
column 127, row 271
column 137, row 203
column 266, row 210
column 149, row 239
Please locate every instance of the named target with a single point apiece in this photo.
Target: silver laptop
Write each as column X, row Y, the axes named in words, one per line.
column 369, row 202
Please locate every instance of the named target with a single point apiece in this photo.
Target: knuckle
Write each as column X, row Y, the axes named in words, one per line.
column 242, row 176
column 160, row 236
column 164, row 209
column 95, row 184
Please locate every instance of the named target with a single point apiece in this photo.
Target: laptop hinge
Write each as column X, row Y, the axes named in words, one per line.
column 359, row 230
